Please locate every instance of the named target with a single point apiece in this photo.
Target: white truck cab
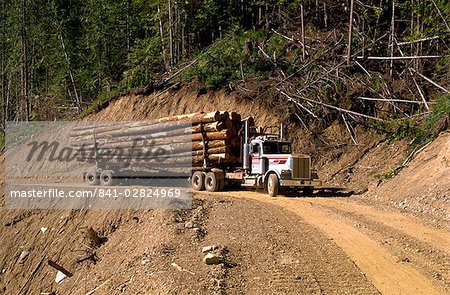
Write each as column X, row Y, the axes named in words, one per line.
column 270, row 164
column 266, row 162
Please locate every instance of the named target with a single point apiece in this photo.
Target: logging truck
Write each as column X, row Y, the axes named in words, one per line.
column 225, row 150
column 267, row 163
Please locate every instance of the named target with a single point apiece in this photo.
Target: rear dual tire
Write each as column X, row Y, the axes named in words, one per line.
column 212, row 184
column 91, row 178
column 198, row 181
column 105, row 178
column 209, row 181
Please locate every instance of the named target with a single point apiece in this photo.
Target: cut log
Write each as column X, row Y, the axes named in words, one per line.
column 194, row 146
column 235, row 117
column 194, row 118
column 168, row 140
column 156, row 138
column 224, row 134
column 166, row 123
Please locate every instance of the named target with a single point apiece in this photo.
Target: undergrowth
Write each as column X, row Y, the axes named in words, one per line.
column 421, row 130
column 237, row 56
column 103, row 97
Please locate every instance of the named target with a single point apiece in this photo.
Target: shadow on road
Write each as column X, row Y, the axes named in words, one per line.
column 326, row 192
column 320, row 194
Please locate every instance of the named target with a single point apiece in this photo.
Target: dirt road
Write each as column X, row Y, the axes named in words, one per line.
column 397, row 253
column 316, row 245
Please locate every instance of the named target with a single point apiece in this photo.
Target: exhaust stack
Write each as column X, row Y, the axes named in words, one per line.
column 246, row 147
column 282, row 131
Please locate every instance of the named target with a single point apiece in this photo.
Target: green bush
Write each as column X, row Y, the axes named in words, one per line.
column 227, row 59
column 401, row 129
column 441, row 112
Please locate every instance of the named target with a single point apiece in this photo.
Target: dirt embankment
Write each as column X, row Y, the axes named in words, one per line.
column 290, row 245
column 423, row 186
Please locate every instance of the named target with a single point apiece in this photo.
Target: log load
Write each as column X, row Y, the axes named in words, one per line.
column 206, row 138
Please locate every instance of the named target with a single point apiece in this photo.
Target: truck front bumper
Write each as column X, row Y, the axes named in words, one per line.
column 300, row 182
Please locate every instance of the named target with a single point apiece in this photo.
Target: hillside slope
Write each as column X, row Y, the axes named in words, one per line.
column 268, row 249
column 423, row 186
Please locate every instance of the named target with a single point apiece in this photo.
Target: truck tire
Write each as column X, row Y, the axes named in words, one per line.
column 91, row 178
column 106, row 178
column 211, row 182
column 198, row 181
column 221, row 184
column 273, row 185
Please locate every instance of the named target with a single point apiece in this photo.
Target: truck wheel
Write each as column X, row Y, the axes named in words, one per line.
column 106, row 177
column 91, row 178
column 273, row 185
column 198, row 181
column 211, row 182
column 221, row 184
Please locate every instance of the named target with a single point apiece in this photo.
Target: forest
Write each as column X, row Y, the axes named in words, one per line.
column 323, row 59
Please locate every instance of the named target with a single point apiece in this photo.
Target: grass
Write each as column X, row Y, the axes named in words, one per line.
column 102, row 98
column 391, row 172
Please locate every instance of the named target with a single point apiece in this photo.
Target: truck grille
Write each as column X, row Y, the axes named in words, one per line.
column 301, row 167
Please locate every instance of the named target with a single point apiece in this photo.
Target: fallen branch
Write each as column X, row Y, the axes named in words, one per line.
column 96, row 288
column 440, row 14
column 303, row 123
column 349, row 130
column 337, row 108
column 414, row 80
column 398, row 57
column 168, row 88
column 290, row 39
column 417, row 41
column 410, row 157
column 390, row 100
column 430, row 81
column 362, row 68
column 298, row 104
column 271, row 61
column 59, row 267
column 180, row 70
column 91, row 256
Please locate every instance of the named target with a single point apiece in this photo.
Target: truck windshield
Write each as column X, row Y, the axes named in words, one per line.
column 276, row 148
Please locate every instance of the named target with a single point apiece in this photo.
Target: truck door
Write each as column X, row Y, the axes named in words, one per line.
column 256, row 158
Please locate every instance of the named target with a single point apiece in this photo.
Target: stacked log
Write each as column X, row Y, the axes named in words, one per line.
column 205, row 138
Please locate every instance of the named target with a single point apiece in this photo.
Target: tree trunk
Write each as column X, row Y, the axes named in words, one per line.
column 128, row 33
column 162, row 39
column 24, row 43
column 170, row 33
column 350, row 33
column 71, row 76
column 2, row 65
column 392, row 38
column 303, row 31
